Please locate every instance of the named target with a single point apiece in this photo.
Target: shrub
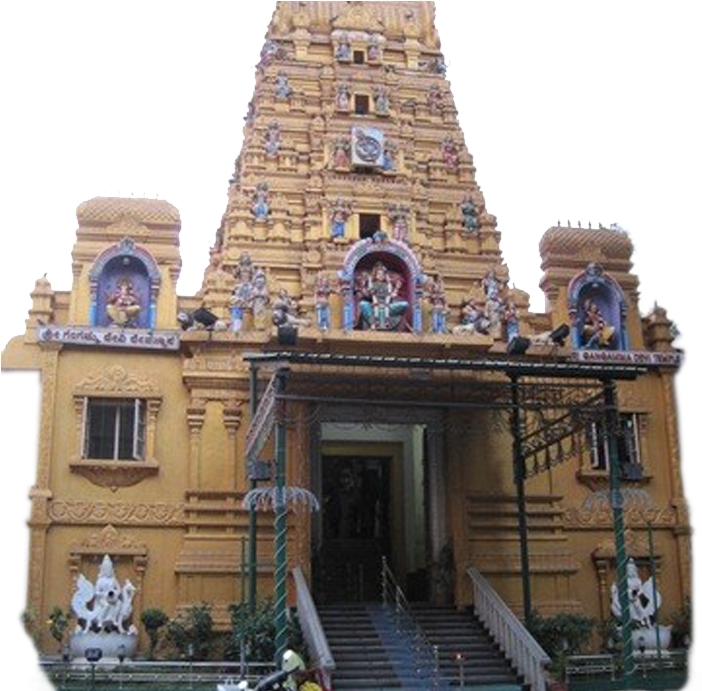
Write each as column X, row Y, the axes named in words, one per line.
column 58, row 623
column 561, row 636
column 255, row 629
column 682, row 626
column 191, row 633
column 153, row 620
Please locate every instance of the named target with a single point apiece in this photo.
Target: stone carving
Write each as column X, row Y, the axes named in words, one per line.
column 374, row 48
column 343, row 48
column 271, row 51
column 250, row 113
column 105, row 625
column 644, row 602
column 494, row 303
column 389, row 156
column 260, row 298
column 116, row 513
column 116, row 380
column 434, row 98
column 341, row 155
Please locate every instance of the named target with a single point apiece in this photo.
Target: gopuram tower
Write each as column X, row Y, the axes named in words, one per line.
column 352, row 141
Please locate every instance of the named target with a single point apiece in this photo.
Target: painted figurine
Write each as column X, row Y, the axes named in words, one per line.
column 439, row 309
column 373, row 48
column 343, row 49
column 381, row 310
column 470, row 214
column 472, row 319
column 389, row 156
column 259, row 299
column 343, row 96
column 341, row 211
column 341, row 155
column 272, row 139
column 250, row 113
column 283, row 90
column 260, row 206
column 399, row 217
column 269, row 52
column 449, row 152
column 597, row 333
column 322, row 294
column 511, row 321
column 434, row 98
column 123, row 305
column 285, row 311
column 381, row 100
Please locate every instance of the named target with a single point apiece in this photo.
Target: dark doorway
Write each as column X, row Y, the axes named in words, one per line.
column 356, row 527
column 368, row 225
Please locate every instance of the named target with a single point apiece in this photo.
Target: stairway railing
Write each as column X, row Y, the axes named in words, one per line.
column 426, row 655
column 510, row 634
column 312, row 630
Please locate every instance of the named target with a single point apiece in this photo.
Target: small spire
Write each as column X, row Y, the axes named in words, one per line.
column 589, row 225
column 569, row 223
column 559, row 222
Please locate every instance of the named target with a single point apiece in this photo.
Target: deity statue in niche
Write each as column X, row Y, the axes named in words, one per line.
column 283, row 90
column 343, row 49
column 272, row 139
column 511, row 321
column 259, row 298
column 389, row 155
column 343, row 96
column 250, row 113
column 270, row 52
column 322, row 294
column 340, row 213
column 434, row 98
column 437, row 299
column 399, row 217
column 373, row 48
column 341, row 155
column 472, row 319
column 380, row 307
column 241, row 295
column 494, row 302
column 449, row 152
column 470, row 214
column 381, row 100
column 123, row 305
column 596, row 332
column 260, row 207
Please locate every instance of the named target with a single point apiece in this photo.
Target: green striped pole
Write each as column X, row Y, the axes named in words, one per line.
column 253, row 402
column 281, row 557
column 617, row 503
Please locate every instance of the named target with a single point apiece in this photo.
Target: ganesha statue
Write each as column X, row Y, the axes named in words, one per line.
column 103, row 611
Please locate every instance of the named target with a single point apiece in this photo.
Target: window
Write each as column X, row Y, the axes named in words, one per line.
column 368, row 225
column 361, row 104
column 114, row 429
column 629, row 446
column 359, row 57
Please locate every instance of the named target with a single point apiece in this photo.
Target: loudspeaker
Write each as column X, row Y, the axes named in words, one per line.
column 287, row 335
column 518, row 345
column 559, row 335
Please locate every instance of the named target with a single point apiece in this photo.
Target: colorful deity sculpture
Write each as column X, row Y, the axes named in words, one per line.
column 343, row 96
column 399, row 218
column 259, row 298
column 322, row 295
column 381, row 100
column 341, row 152
column 380, row 307
column 272, row 139
column 123, row 305
column 260, row 207
column 340, row 213
column 241, row 295
column 389, row 156
column 437, row 300
column 374, row 48
column 511, row 320
column 597, row 333
column 449, row 151
column 250, row 113
column 283, row 90
column 286, row 311
column 472, row 319
column 470, row 214
column 270, row 52
column 434, row 98
column 343, row 48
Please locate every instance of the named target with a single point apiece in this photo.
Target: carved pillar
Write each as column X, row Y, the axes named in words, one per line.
column 231, row 415
column 602, row 567
column 436, row 489
column 196, row 419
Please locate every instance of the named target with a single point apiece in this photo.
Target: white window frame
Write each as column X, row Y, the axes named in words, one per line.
column 138, row 431
column 595, row 428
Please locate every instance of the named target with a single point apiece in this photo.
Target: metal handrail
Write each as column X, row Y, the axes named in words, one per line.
column 424, row 649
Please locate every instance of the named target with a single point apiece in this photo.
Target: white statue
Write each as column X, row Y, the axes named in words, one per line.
column 106, row 624
column 644, row 602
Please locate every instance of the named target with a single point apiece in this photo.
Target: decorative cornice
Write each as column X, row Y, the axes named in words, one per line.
column 116, row 513
column 109, row 541
column 116, row 381
column 114, row 474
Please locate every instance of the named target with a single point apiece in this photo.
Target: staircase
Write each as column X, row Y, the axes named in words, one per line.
column 460, row 633
column 371, row 654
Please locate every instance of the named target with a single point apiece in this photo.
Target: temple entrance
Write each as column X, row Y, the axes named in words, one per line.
column 373, row 506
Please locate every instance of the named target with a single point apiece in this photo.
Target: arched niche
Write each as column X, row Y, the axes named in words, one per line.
column 593, row 296
column 397, row 258
column 124, row 283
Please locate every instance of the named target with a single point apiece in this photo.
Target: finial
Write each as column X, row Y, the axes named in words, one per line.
column 579, row 226
column 559, row 222
column 569, row 223
column 589, row 225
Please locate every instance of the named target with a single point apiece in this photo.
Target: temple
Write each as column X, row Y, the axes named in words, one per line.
column 358, row 362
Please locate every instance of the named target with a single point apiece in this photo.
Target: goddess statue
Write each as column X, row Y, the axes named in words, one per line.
column 380, row 308
column 322, row 292
column 123, row 305
column 285, row 311
column 473, row 319
column 596, row 332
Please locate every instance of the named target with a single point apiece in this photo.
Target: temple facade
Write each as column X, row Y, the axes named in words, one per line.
column 357, row 238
